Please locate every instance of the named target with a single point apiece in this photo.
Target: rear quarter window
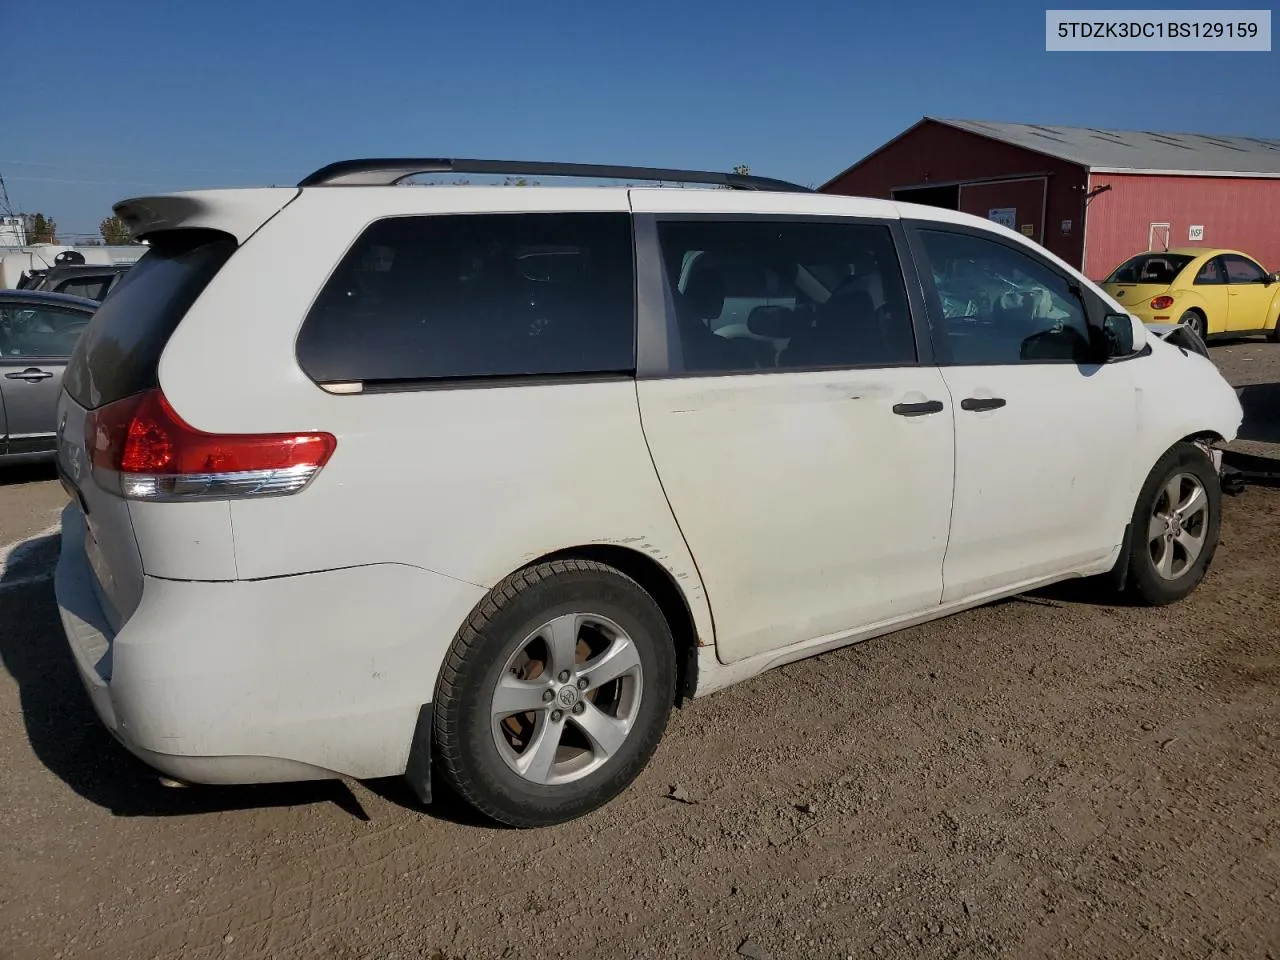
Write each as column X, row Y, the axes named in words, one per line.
column 119, row 353
column 446, row 297
column 91, row 288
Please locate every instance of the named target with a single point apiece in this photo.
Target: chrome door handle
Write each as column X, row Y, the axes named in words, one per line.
column 31, row 375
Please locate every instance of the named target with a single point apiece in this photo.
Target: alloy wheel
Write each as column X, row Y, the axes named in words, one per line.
column 1178, row 526
column 567, row 699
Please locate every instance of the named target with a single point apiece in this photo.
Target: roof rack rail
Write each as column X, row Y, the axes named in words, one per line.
column 387, row 172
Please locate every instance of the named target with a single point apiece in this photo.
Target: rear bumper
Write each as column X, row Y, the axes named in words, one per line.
column 293, row 678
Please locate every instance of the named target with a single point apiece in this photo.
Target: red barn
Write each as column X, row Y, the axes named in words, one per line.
column 1093, row 197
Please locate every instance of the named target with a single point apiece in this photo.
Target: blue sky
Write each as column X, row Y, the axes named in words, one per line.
column 141, row 96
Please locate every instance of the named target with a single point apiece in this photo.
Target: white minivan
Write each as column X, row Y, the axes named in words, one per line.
column 476, row 482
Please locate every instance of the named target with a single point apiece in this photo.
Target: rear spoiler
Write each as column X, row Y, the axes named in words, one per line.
column 239, row 212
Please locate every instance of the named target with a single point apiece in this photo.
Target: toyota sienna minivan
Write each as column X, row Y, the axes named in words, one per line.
column 371, row 480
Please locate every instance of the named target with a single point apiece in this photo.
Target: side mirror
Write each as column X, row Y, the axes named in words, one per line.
column 1124, row 335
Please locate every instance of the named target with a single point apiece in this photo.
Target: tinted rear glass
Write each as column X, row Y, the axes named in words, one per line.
column 1150, row 268
column 119, row 352
column 477, row 295
column 91, row 288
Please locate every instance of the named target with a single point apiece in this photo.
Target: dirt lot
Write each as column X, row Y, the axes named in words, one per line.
column 1040, row 777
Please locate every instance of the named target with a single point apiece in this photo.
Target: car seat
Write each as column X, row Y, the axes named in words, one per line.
column 844, row 331
column 701, row 301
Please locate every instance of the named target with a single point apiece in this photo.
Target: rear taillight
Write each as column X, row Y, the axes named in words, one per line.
column 1161, row 303
column 141, row 447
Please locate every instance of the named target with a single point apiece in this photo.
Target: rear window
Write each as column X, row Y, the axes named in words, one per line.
column 119, row 352
column 91, row 288
column 477, row 295
column 1150, row 268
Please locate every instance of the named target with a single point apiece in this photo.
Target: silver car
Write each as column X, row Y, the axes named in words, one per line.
column 38, row 330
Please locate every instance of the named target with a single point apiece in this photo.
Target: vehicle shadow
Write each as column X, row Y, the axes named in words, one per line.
column 445, row 804
column 1087, row 591
column 67, row 737
column 27, row 473
column 1261, row 403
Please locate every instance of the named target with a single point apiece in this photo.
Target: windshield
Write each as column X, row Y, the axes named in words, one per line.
column 980, row 287
column 1150, row 268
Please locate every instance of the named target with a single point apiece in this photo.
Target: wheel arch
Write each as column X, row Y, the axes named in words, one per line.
column 1203, row 437
column 1186, row 296
column 660, row 584
column 1200, row 436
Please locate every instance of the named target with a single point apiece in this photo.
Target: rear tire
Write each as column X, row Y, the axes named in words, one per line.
column 555, row 693
column 1176, row 524
column 1196, row 321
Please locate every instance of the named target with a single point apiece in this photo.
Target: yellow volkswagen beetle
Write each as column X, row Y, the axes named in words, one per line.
column 1214, row 292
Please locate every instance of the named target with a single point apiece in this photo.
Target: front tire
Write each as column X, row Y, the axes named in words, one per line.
column 555, row 693
column 1176, row 524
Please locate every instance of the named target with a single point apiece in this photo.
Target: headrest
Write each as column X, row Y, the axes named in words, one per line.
column 850, row 299
column 704, row 293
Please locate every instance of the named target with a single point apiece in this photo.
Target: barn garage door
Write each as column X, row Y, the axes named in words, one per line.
column 1018, row 204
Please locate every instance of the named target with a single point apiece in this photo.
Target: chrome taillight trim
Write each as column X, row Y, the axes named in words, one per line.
column 217, row 486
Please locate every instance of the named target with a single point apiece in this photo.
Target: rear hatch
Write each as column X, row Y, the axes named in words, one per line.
column 118, row 356
column 1135, row 296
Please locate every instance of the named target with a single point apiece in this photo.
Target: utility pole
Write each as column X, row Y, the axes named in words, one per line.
column 6, row 208
column 10, row 221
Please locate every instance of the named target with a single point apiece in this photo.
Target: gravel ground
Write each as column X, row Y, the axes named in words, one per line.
column 1043, row 777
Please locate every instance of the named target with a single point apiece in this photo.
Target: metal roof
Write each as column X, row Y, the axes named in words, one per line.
column 1123, row 151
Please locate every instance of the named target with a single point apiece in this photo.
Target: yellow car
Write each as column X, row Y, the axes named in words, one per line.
column 1214, row 292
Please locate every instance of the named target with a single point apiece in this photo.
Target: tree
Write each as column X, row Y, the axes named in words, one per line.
column 40, row 229
column 114, row 232
column 741, row 170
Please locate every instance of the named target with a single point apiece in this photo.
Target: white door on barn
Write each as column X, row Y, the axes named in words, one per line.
column 1158, row 238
